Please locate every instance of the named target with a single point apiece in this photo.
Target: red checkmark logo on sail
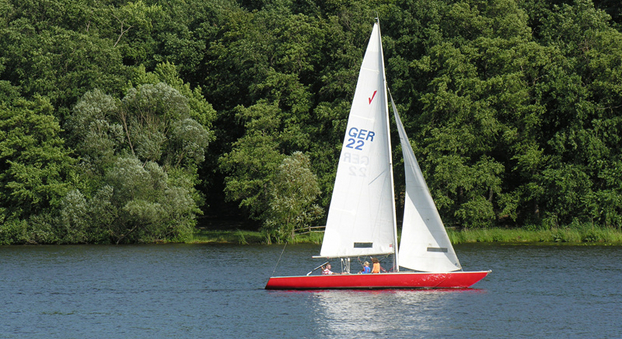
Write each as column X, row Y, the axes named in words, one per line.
column 372, row 97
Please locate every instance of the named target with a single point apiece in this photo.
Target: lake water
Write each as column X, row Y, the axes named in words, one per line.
column 217, row 291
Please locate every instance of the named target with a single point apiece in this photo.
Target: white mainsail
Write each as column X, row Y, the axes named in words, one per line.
column 424, row 244
column 361, row 217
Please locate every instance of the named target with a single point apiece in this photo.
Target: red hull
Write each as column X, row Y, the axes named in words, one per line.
column 411, row 280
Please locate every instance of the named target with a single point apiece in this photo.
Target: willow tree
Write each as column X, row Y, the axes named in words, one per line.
column 293, row 193
column 139, row 166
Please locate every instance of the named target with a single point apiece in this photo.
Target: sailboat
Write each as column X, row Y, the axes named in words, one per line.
column 362, row 218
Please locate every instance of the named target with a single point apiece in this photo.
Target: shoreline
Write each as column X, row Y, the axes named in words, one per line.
column 558, row 236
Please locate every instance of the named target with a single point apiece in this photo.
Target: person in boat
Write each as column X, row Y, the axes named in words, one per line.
column 366, row 268
column 327, row 270
column 376, row 268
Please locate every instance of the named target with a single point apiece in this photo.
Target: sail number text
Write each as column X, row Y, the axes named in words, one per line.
column 358, row 164
column 358, row 137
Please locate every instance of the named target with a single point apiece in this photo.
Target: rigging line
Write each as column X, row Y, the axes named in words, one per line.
column 280, row 256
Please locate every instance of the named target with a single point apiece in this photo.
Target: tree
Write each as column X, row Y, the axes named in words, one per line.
column 36, row 169
column 292, row 195
column 477, row 112
column 95, row 131
column 66, row 63
column 139, row 162
column 583, row 124
column 254, row 159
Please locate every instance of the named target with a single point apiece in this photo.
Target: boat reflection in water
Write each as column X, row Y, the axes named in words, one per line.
column 390, row 312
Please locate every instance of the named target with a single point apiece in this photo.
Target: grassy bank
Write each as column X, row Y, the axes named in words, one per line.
column 247, row 237
column 227, row 237
column 584, row 235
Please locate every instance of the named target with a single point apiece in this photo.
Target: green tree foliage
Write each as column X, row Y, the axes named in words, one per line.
column 513, row 108
column 57, row 62
column 583, row 100
column 35, row 166
column 275, row 189
column 166, row 72
column 306, row 66
column 140, row 157
column 292, row 195
column 35, row 163
column 254, row 159
column 506, row 122
column 477, row 108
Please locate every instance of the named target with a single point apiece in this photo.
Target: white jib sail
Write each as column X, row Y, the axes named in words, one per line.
column 424, row 244
column 361, row 217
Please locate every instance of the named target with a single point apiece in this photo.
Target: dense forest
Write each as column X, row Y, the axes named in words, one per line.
column 136, row 121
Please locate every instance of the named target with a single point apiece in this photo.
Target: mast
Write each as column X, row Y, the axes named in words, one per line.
column 388, row 124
